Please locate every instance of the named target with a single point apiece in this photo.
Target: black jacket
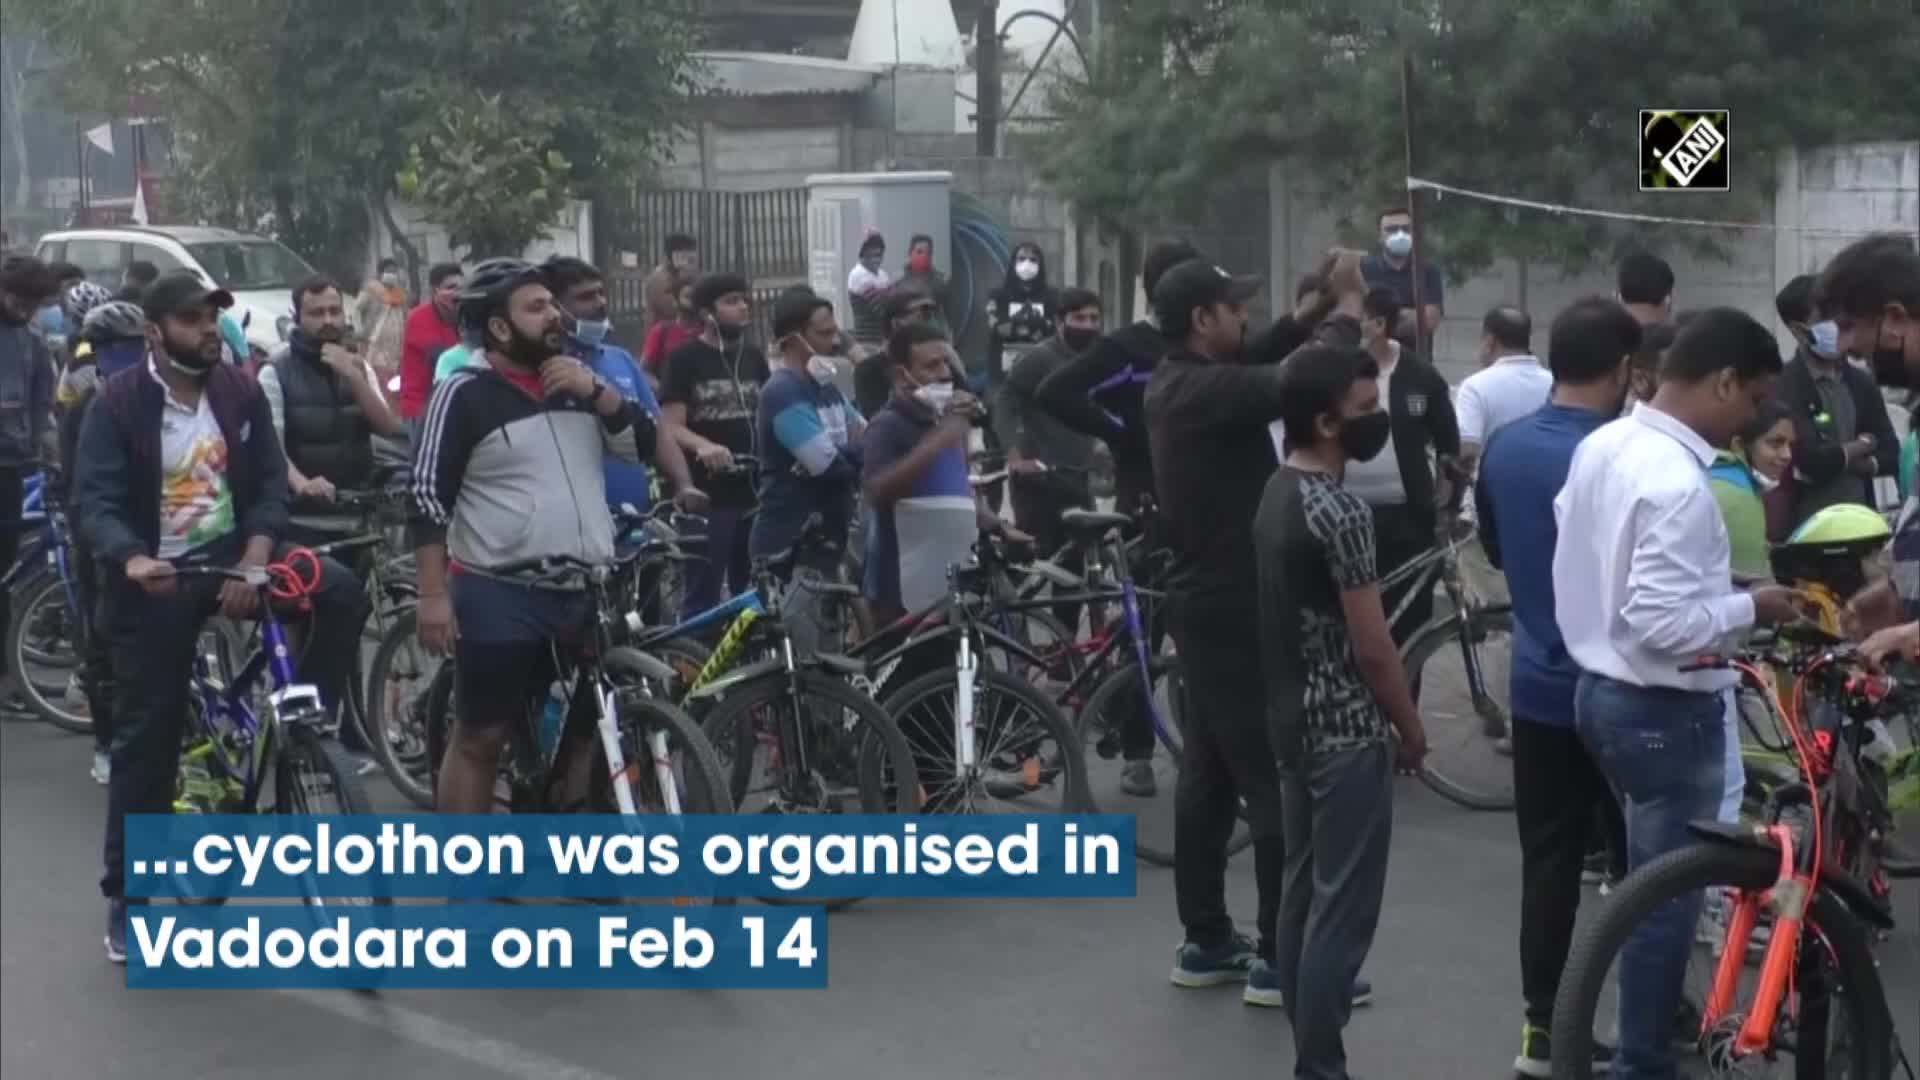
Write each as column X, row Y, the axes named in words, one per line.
column 1819, row 455
column 1422, row 408
column 327, row 435
column 1101, row 393
column 1212, row 454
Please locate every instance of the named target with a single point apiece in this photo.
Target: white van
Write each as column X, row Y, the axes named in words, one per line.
column 260, row 273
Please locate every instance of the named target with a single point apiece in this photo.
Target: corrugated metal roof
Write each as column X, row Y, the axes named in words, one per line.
column 754, row 74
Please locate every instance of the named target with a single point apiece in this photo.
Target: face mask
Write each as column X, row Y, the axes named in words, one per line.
column 591, row 331
column 194, row 362
column 1890, row 363
column 935, row 395
column 1363, row 437
column 1824, row 339
column 1762, row 482
column 919, row 263
column 1026, row 269
column 1077, row 338
column 391, row 281
column 822, row 368
column 1399, row 244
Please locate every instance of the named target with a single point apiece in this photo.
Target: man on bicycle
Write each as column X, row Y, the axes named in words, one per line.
column 176, row 460
column 509, row 469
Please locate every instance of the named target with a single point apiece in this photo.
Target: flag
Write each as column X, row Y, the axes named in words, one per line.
column 139, row 200
column 102, row 137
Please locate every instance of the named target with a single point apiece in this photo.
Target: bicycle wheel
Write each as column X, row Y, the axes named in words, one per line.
column 1153, row 813
column 314, row 775
column 1858, row 1025
column 1468, row 759
column 397, row 684
column 858, row 760
column 685, row 657
column 1025, row 752
column 43, row 653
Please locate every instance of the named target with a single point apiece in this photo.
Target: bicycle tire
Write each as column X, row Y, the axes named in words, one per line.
column 1073, row 764
column 732, row 717
column 416, row 785
column 40, row 697
column 1424, row 645
column 1683, row 872
column 27, row 587
column 685, row 657
column 1126, row 680
column 303, row 748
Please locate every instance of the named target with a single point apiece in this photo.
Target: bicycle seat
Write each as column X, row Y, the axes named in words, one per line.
column 1094, row 521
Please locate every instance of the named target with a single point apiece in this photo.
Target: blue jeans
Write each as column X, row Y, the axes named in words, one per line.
column 1663, row 751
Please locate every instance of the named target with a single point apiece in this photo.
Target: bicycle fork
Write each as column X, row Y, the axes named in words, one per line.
column 656, row 744
column 965, row 754
column 1791, row 895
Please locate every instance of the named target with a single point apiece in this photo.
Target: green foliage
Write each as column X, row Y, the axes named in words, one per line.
column 1187, row 102
column 488, row 179
column 290, row 107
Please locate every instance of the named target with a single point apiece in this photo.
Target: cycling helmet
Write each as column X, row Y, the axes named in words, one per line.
column 81, row 299
column 1830, row 549
column 485, row 292
column 1845, row 523
column 115, row 320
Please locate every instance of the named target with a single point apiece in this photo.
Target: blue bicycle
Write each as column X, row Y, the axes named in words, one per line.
column 43, row 644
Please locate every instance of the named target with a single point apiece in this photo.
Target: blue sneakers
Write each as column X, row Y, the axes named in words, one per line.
column 1196, row 966
column 1263, row 988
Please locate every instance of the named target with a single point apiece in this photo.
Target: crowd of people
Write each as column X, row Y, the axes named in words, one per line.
column 1627, row 486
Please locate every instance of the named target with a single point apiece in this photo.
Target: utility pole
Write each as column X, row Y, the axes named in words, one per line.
column 986, row 67
column 1420, row 339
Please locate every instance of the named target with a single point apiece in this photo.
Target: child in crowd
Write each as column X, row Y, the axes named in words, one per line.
column 1742, row 476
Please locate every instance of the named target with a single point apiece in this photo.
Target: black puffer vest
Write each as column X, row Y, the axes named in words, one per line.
column 326, row 434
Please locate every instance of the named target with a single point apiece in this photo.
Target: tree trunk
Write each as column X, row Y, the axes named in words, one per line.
column 408, row 253
column 14, row 121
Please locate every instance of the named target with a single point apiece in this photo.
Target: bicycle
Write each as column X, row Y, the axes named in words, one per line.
column 540, row 769
column 1796, row 864
column 49, row 628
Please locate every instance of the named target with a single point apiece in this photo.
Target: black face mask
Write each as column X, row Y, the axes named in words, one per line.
column 1078, row 338
column 1890, row 364
column 1363, row 437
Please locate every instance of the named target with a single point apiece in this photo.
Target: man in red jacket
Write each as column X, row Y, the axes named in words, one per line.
column 430, row 331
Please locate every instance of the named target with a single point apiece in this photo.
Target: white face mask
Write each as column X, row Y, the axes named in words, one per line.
column 1763, row 482
column 822, row 368
column 1026, row 269
column 390, row 280
column 935, row 395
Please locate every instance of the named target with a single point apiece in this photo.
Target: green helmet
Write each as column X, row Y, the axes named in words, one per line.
column 1845, row 523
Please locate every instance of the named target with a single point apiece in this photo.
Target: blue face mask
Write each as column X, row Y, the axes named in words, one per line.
column 1399, row 244
column 591, row 331
column 1825, row 341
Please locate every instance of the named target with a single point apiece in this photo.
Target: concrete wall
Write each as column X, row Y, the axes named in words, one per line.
column 1860, row 189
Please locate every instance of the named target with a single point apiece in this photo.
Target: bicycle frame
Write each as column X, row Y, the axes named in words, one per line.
column 225, row 708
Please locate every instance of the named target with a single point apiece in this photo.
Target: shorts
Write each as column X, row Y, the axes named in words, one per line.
column 504, row 658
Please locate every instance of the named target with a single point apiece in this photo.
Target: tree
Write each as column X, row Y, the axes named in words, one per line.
column 490, row 181
column 1186, row 102
column 311, row 112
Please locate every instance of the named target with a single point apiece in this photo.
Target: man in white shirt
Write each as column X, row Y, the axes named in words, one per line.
column 1642, row 586
column 1512, row 384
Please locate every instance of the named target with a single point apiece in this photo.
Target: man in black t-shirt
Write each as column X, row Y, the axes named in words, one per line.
column 709, row 394
column 1333, row 683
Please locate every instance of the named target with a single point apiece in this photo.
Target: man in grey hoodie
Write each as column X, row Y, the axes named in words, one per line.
column 26, row 399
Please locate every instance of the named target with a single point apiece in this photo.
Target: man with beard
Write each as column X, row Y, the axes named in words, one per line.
column 324, row 404
column 509, row 470
column 177, row 462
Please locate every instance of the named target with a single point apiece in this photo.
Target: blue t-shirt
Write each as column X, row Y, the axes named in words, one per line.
column 808, row 464
column 627, row 481
column 915, row 539
column 1523, row 467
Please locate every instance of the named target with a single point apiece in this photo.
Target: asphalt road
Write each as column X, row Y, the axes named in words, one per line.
column 929, row 990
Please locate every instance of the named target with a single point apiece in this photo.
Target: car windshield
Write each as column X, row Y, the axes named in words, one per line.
column 251, row 264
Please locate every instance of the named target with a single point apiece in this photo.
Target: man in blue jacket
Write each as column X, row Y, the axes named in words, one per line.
column 177, row 461
column 1556, row 783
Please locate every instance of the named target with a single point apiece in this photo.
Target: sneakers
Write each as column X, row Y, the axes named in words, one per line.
column 116, row 941
column 1536, row 1054
column 1195, row 966
column 102, row 767
column 1263, row 988
column 1136, row 779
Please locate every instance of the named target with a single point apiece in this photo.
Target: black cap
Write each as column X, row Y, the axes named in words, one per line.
column 794, row 310
column 181, row 291
column 1197, row 283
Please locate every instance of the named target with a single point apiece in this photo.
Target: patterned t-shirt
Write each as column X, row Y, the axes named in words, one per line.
column 1313, row 540
column 720, row 388
column 196, row 504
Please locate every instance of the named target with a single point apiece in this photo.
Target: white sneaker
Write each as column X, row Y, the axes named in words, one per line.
column 102, row 767
column 75, row 698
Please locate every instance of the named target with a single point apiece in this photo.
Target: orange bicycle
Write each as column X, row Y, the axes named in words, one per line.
column 1815, row 1007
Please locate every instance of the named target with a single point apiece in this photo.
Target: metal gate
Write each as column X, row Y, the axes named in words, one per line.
column 761, row 235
